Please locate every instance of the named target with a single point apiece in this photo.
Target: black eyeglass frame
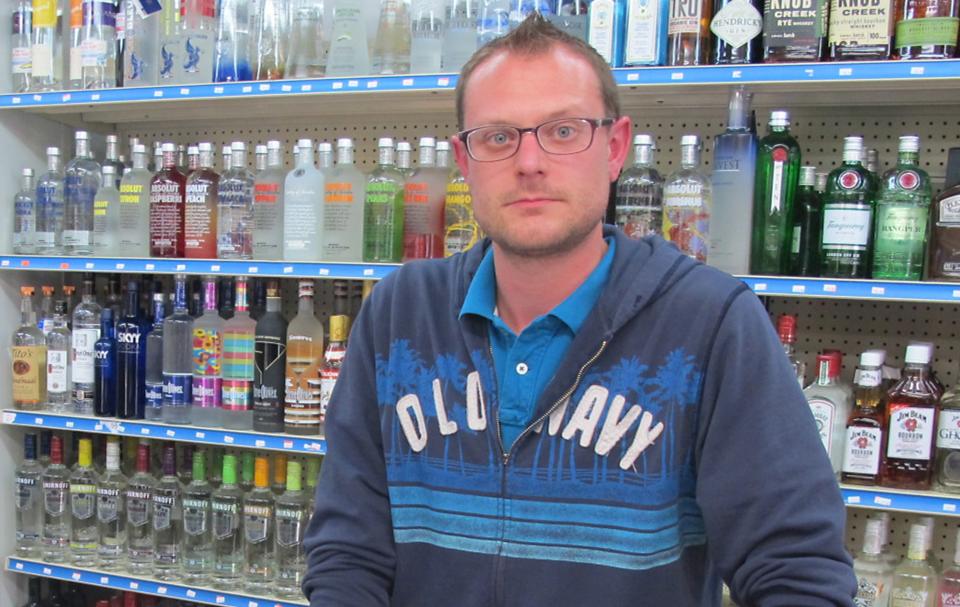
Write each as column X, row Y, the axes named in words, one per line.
column 595, row 123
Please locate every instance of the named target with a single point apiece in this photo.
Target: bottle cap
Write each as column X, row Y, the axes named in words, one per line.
column 47, row 290
column 324, row 146
column 26, row 291
column 273, row 144
column 338, row 327
column 51, row 151
column 344, row 142
column 56, row 450
column 193, row 150
column 910, row 143
column 385, row 142
column 293, row 477
column 808, row 175
column 30, row 446
column 280, row 468
column 779, row 118
column 199, row 465
column 787, row 328
column 872, row 358
column 443, row 146
column 82, row 135
column 644, row 139
column 205, row 146
column 305, row 288
column 168, row 147
column 227, row 150
column 229, row 469
column 28, row 172
column 139, row 149
column 238, row 146
column 404, row 146
column 305, row 143
column 429, row 142
column 918, row 354
column 690, row 140
column 852, row 143
column 260, row 149
column 85, row 453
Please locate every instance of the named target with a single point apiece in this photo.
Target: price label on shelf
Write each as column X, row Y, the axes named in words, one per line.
column 37, row 421
column 286, row 88
column 406, row 82
column 9, row 417
column 47, row 571
column 676, row 76
column 215, row 267
column 149, row 267
column 372, row 84
column 260, row 443
column 15, row 101
column 18, row 566
column 247, row 89
column 324, row 271
column 306, row 88
column 264, row 88
column 185, row 92
column 161, row 589
column 95, row 97
column 253, row 270
column 799, row 288
column 121, row 266
column 66, row 97
column 336, row 85
column 877, row 290
column 882, row 501
column 200, row 435
column 369, row 271
column 949, row 507
column 171, row 433
column 89, row 265
column 145, row 431
column 158, row 94
column 5, row 263
column 191, row 594
column 917, row 70
column 845, row 71
column 736, row 74
column 853, row 499
column 443, row 82
column 829, row 288
column 220, row 600
column 104, row 580
column 288, row 269
column 218, row 90
column 134, row 585
column 76, row 576
column 228, row 439
column 70, row 424
column 352, row 84
column 181, row 267
column 633, row 77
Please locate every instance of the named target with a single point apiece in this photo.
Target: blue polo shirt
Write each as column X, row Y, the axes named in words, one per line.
column 525, row 363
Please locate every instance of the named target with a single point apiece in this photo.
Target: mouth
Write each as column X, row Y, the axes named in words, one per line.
column 531, row 202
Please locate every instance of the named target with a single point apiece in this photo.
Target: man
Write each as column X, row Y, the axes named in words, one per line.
column 563, row 416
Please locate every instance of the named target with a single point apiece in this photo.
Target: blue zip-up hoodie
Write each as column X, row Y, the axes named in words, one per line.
column 672, row 448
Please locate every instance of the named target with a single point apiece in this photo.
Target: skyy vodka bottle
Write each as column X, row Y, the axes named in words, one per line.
column 302, row 216
column 268, row 206
column 134, row 217
column 139, row 506
column 81, row 184
column 86, row 332
column 238, row 364
column 105, row 367
column 226, row 504
column 207, row 350
column 178, row 359
column 56, row 506
column 25, row 215
column 84, row 533
column 131, row 356
column 235, row 208
column 639, row 202
column 153, row 374
column 29, row 500
column 50, row 202
column 197, row 525
column 111, row 515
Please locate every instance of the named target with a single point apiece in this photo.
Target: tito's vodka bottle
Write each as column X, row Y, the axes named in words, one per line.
column 687, row 200
column 29, row 500
column 56, row 505
column 111, row 515
column 227, row 538
column 178, row 359
column 207, row 349
column 238, row 364
column 167, row 519
column 84, row 532
column 235, row 207
column 639, row 202
column 29, row 357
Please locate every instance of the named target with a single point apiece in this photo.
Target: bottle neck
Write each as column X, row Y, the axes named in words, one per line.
column 112, row 152
column 238, row 159
column 385, row 157
column 193, row 162
column 26, row 183
column 428, row 156
column 274, row 304
column 824, row 378
column 159, row 310
column 180, row 297
column 690, row 157
column 853, row 156
column 133, row 302
column 83, row 148
column 27, row 315
column 305, row 157
column 241, row 296
column 53, row 163
column 206, row 159
column 643, row 155
column 344, row 155
column 140, row 161
column 261, row 162
column 325, row 159
column 169, row 160
column 908, row 158
column 305, row 304
column 273, row 158
column 226, row 160
column 779, row 129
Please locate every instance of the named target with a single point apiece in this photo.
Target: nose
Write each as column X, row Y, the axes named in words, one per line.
column 530, row 156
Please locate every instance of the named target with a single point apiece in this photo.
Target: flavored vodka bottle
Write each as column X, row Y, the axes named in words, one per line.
column 226, row 505
column 279, row 474
column 29, row 357
column 81, row 184
column 268, row 206
column 270, row 45
column 258, row 531
column 98, row 45
column 111, row 157
column 349, row 53
column 133, row 233
column 302, row 216
column 778, row 169
column 427, row 34
column 235, row 208
column 306, row 57
column 207, row 359
column 178, row 359
column 29, row 500
column 84, row 533
column 73, row 26
column 131, row 356
column 948, row 592
column 232, row 49
column 462, row 231
column 167, row 520
column 423, row 201
column 141, row 41
column 153, row 366
column 874, row 574
column 198, row 34
column 238, row 364
column 383, row 209
column 343, row 208
column 332, row 361
column 86, row 332
column 304, row 362
column 111, row 515
column 46, row 54
column 459, row 36
column 830, row 404
column 270, row 358
column 848, row 208
column 105, row 368
column 391, row 48
column 494, row 20
column 197, row 525
column 167, row 190
column 170, row 43
column 50, row 206
column 139, row 507
column 59, row 347
column 687, row 201
column 55, row 536
column 639, row 202
column 200, row 227
column 291, row 518
column 106, row 215
column 25, row 215
column 20, row 46
column 914, row 579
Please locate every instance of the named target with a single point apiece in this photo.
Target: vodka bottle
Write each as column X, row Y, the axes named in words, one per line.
column 170, row 43
column 235, row 208
column 830, row 404
column 332, row 361
column 270, row 358
column 383, row 209
column 111, row 515
column 427, row 34
column 201, row 207
column 138, row 502
column 157, row 156
column 29, row 500
column 424, row 193
column 306, row 57
column 343, row 208
column 153, row 366
column 271, row 40
column 258, row 531
column 178, row 359
column 105, row 368
column 81, row 184
column 111, row 157
column 948, row 592
column 106, row 215
column 198, row 33
column 687, row 200
column 59, row 346
column 349, row 53
column 227, row 297
column 268, row 206
column 232, row 50
column 29, row 357
column 20, row 46
column 84, row 534
column 494, row 20
column 134, row 216
column 73, row 28
column 259, row 159
column 462, row 231
column 141, row 39
column 238, row 364
column 874, row 574
column 45, row 316
column 391, row 48
column 405, row 158
column 639, row 202
column 98, row 45
column 914, row 579
column 291, row 518
column 460, row 34
column 207, row 353
column 131, row 356
column 302, row 217
column 304, row 362
column 193, row 159
column 226, row 504
column 25, row 215
column 167, row 189
column 50, row 206
column 86, row 332
column 197, row 525
column 246, row 473
column 279, row 474
column 46, row 56
column 167, row 520
column 56, row 506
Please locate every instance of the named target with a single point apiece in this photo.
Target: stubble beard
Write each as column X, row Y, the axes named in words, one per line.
column 576, row 232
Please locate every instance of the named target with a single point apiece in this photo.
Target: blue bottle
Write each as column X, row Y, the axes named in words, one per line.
column 231, row 62
column 153, row 378
column 131, row 357
column 645, row 32
column 105, row 368
column 605, row 29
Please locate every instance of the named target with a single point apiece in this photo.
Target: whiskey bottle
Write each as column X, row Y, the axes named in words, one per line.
column 926, row 29
column 805, row 247
column 861, row 29
column 778, row 166
column 944, row 256
column 912, row 412
column 736, row 26
column 865, row 428
column 688, row 32
column 795, row 30
column 845, row 240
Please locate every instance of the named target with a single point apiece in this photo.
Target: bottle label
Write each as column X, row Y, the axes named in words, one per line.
column 57, row 361
column 108, row 504
column 289, row 527
column 138, row 507
column 908, row 180
column 225, row 520
column 927, row 31
column 868, row 593
column 948, row 431
column 846, row 228
column 684, row 17
column 76, row 238
column 28, row 361
column 234, row 197
column 643, row 30
column 823, row 413
column 862, row 452
column 166, row 221
column 737, row 23
column 462, row 229
column 795, row 242
column 26, row 488
column 84, row 343
column 98, row 12
column 55, row 497
column 600, row 36
column 908, row 597
column 199, row 218
column 21, row 59
column 271, row 354
column 794, row 23
column 153, row 396
column 177, row 389
column 901, row 231
column 328, row 379
column 256, row 523
column 911, row 433
column 237, row 395
column 207, row 352
column 162, row 512
column 195, row 515
column 83, row 500
column 860, row 22
column 41, row 56
column 949, row 211
column 93, row 53
column 949, row 599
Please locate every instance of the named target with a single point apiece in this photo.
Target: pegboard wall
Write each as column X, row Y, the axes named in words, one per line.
column 944, row 535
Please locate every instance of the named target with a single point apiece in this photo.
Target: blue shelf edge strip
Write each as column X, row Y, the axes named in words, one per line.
column 633, row 76
column 122, row 582
column 853, row 289
column 885, row 500
column 142, row 429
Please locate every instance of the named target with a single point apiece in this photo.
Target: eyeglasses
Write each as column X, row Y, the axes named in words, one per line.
column 561, row 137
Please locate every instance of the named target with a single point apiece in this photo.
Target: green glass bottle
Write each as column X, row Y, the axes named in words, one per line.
column 383, row 210
column 846, row 237
column 778, row 167
column 903, row 210
column 805, row 248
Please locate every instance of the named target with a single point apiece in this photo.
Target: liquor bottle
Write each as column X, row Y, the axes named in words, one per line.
column 178, row 359
column 207, row 357
column 25, row 215
column 45, row 315
column 646, row 32
column 427, row 33
column 81, row 184
column 170, row 42
column 246, row 472
column 925, row 30
column 303, row 218
column 270, row 46
column 139, row 506
column 805, row 247
column 232, row 49
column 270, row 360
column 383, row 209
column 235, row 208
column 34, row 598
column 688, row 33
column 167, row 207
column 405, row 158
column 55, row 536
column 493, row 21
column 167, row 520
column 948, row 592
column 185, row 466
column 226, row 504
column 912, row 407
column 105, row 368
column 733, row 181
column 257, row 297
column 279, row 484
column 238, row 364
column 861, row 34
column 193, row 159
column 343, row 208
column 258, row 531
column 787, row 331
column 86, row 332
column 903, row 209
column 20, row 46
column 73, row 29
column 423, row 198
column 111, row 515
column 865, row 427
column 153, row 366
column 948, row 442
column 460, row 36
column 348, row 54
column 737, row 25
column 306, row 58
column 291, row 518
column 140, row 42
column 462, row 231
column 391, row 47
column 50, row 206
column 795, row 31
column 197, row 35
column 46, row 57
column 98, row 45
column 134, row 207
column 106, row 215
column 131, row 357
column 570, row 17
column 111, row 157
column 59, row 345
column 197, row 525
column 268, row 206
column 114, row 295
column 84, row 534
column 773, row 202
column 332, row 361
column 200, row 227
column 914, row 579
column 830, row 405
column 845, row 241
column 687, row 202
column 604, row 25
column 874, row 575
column 304, row 362
column 28, row 500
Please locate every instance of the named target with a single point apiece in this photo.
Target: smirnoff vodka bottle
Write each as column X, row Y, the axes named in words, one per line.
column 197, row 525
column 258, row 530
column 167, row 520
column 55, row 536
column 29, row 500
column 111, row 515
column 84, row 533
column 291, row 516
column 226, row 504
column 139, row 507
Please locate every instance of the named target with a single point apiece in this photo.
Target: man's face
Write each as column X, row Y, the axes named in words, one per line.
column 534, row 203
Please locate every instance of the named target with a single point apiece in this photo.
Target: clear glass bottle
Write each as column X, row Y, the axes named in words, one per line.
column 639, row 201
column 270, row 359
column 178, row 358
column 268, row 206
column 291, row 518
column 914, row 580
column 343, row 208
column 140, row 38
column 81, row 182
column 423, row 198
column 383, row 209
column 304, row 363
column 46, row 47
column 50, row 206
column 427, row 33
column 139, row 506
column 332, row 361
column 874, row 574
column 167, row 520
column 865, row 434
column 111, row 515
column 391, row 47
column 687, row 203
column 167, row 195
column 134, row 208
column 207, row 350
column 55, row 536
column 105, row 367
column 948, row 442
column 25, row 215
column 59, row 351
column 29, row 500
column 98, row 45
column 197, row 525
column 787, row 331
column 349, row 53
column 239, row 339
column 84, row 533
column 198, row 32
column 86, row 332
column 688, row 37
column 153, row 372
column 270, row 45
column 303, row 218
column 106, row 215
column 948, row 592
column 306, row 58
column 830, row 404
column 235, row 207
column 462, row 230
column 778, row 170
column 200, row 226
column 45, row 315
column 258, row 531
column 460, row 36
column 848, row 209
column 226, row 504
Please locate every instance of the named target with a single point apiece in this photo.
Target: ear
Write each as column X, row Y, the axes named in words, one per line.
column 619, row 145
column 460, row 154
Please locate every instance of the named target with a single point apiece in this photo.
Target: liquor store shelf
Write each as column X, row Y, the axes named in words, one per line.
column 105, row 579
column 896, row 500
column 831, row 288
column 145, row 429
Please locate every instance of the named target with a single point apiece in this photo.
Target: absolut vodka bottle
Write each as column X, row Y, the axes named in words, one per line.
column 131, row 356
column 25, row 215
column 238, row 364
column 167, row 520
column 207, row 351
column 81, row 184
column 139, row 507
column 687, row 201
column 391, row 47
column 343, row 213
column 178, row 359
column 235, row 208
column 197, row 525
column 200, row 227
column 270, row 359
column 153, row 373
column 383, row 209
column 198, row 32
column 167, row 190
column 424, row 194
column 29, row 500
column 59, row 347
column 291, row 517
column 111, row 515
column 268, row 206
column 84, row 533
column 302, row 216
column 134, row 217
column 86, row 332
column 141, row 37
column 56, row 506
column 226, row 504
column 105, row 368
column 639, row 202
column 50, row 202
column 258, row 528
column 349, row 53
column 106, row 215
